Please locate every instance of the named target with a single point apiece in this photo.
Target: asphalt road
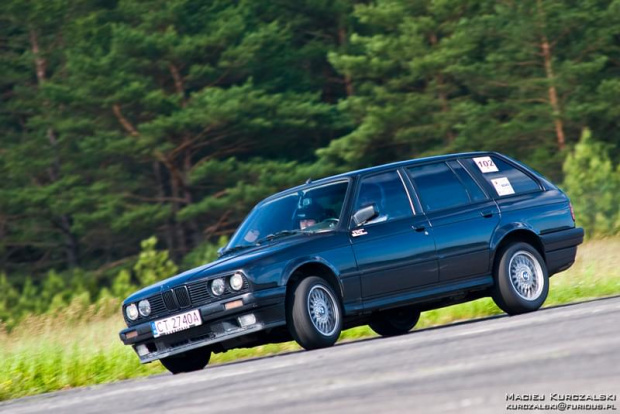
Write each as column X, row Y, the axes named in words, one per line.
column 460, row 368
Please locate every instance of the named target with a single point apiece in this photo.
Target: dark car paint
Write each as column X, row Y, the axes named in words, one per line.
column 431, row 260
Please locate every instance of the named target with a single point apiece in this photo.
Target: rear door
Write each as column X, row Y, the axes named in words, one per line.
column 395, row 251
column 462, row 215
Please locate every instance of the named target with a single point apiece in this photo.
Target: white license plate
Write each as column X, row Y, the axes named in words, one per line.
column 176, row 323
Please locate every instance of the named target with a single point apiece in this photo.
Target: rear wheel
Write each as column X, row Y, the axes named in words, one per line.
column 314, row 314
column 189, row 361
column 521, row 279
column 394, row 321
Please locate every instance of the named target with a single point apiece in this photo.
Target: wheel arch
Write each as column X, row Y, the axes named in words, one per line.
column 515, row 235
column 312, row 267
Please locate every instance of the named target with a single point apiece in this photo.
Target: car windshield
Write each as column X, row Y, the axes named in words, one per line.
column 311, row 210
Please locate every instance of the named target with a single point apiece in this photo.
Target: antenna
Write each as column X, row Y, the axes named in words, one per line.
column 309, row 180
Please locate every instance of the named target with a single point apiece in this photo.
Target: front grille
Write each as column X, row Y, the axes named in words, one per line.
column 196, row 293
column 169, row 301
column 182, row 296
column 199, row 292
column 157, row 305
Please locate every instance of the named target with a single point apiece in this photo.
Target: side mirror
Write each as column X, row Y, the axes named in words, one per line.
column 365, row 214
column 220, row 251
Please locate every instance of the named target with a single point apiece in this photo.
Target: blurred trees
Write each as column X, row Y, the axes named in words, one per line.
column 593, row 182
column 124, row 119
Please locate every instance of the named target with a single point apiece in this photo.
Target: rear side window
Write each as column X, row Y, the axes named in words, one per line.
column 438, row 187
column 503, row 177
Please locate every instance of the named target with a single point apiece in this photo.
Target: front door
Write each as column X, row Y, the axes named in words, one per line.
column 395, row 251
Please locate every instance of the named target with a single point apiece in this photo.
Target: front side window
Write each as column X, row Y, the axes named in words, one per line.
column 310, row 210
column 387, row 193
column 438, row 187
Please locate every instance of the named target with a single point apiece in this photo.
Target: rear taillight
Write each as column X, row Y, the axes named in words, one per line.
column 572, row 212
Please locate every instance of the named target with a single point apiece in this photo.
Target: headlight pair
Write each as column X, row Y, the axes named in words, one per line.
column 218, row 286
column 132, row 311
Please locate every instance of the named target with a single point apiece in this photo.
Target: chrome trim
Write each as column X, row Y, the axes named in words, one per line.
column 402, row 180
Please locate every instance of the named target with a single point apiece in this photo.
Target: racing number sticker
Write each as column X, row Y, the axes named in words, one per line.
column 486, row 164
column 502, row 186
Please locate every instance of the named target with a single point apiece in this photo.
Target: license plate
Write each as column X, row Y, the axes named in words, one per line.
column 176, row 323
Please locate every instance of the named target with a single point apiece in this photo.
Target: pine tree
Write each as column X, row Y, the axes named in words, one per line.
column 408, row 100
column 593, row 184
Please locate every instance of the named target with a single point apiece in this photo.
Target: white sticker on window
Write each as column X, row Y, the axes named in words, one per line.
column 502, row 186
column 486, row 164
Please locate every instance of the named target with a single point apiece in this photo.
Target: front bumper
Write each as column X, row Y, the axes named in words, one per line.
column 218, row 325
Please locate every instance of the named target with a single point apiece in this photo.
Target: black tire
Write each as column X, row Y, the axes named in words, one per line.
column 189, row 361
column 394, row 322
column 525, row 287
column 313, row 299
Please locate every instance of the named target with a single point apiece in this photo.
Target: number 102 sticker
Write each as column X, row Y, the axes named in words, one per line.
column 486, row 164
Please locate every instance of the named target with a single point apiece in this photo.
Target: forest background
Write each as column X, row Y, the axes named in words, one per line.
column 135, row 135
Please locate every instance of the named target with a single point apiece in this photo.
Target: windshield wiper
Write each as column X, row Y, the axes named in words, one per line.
column 237, row 248
column 276, row 235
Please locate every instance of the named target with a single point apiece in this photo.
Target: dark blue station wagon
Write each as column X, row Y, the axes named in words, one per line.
column 375, row 246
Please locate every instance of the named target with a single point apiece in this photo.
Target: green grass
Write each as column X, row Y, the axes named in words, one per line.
column 48, row 353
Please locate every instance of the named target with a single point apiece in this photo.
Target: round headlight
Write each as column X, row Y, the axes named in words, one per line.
column 218, row 286
column 144, row 307
column 236, row 281
column 132, row 312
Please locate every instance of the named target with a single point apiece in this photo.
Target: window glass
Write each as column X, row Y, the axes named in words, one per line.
column 474, row 191
column 312, row 209
column 386, row 191
column 503, row 177
column 438, row 187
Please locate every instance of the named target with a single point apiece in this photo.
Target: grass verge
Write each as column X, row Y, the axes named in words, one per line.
column 49, row 353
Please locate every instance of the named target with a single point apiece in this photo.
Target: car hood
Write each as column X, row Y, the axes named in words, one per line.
column 224, row 264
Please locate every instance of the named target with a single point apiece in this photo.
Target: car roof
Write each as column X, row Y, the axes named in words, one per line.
column 379, row 168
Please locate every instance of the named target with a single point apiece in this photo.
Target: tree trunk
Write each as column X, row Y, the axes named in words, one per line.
column 178, row 226
column 71, row 241
column 552, row 91
column 442, row 95
column 342, row 40
column 161, row 193
column 179, row 85
column 187, row 195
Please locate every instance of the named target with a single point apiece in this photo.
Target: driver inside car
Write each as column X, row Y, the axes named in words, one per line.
column 310, row 215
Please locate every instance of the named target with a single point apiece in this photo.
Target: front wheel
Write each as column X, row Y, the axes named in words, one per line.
column 314, row 314
column 189, row 361
column 521, row 279
column 394, row 321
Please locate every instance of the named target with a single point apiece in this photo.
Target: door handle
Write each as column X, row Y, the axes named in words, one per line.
column 486, row 213
column 419, row 228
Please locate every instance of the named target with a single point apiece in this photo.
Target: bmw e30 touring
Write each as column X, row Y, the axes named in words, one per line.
column 375, row 246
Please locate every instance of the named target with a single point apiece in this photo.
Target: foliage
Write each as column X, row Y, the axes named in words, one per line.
column 204, row 253
column 593, row 184
column 70, row 295
column 153, row 265
column 128, row 119
column 136, row 135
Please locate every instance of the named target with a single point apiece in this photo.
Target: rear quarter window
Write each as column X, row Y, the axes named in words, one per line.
column 503, row 178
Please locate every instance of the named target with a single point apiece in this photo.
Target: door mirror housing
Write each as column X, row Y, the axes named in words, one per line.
column 365, row 214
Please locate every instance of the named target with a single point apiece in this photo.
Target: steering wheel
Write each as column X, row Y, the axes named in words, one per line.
column 331, row 221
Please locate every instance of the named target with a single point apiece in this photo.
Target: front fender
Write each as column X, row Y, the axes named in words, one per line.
column 296, row 263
